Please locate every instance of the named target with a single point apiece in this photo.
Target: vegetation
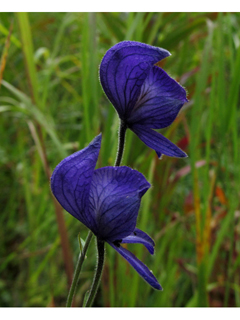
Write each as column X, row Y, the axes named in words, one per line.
column 52, row 104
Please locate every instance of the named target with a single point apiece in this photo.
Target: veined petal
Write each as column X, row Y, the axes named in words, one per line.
column 115, row 197
column 138, row 265
column 159, row 102
column 158, row 142
column 123, row 70
column 71, row 179
column 138, row 236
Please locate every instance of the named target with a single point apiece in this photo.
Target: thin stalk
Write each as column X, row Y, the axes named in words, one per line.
column 100, row 244
column 98, row 274
column 78, row 269
column 121, row 142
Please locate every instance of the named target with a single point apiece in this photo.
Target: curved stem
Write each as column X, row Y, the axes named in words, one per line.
column 78, row 269
column 100, row 244
column 121, row 142
column 98, row 274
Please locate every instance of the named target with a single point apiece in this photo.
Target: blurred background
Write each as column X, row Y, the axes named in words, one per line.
column 52, row 104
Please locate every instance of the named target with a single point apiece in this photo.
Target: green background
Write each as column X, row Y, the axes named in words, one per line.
column 52, row 104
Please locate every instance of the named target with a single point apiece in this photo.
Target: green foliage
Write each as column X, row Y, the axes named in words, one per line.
column 52, row 104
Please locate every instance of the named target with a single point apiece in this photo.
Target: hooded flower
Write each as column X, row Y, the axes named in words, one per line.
column 106, row 200
column 143, row 94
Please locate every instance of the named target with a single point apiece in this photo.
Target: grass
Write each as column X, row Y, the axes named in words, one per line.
column 52, row 104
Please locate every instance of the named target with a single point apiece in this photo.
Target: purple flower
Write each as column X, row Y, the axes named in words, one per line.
column 106, row 200
column 143, row 94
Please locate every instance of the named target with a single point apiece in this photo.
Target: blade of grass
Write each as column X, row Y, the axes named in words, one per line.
column 27, row 47
column 233, row 196
column 85, row 82
column 5, row 53
column 27, row 107
column 194, row 141
column 13, row 39
column 182, row 31
column 68, row 18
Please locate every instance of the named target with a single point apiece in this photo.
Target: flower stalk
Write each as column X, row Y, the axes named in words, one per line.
column 121, row 143
column 98, row 274
column 100, row 244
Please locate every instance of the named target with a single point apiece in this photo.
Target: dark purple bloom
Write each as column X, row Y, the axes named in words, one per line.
column 143, row 94
column 106, row 200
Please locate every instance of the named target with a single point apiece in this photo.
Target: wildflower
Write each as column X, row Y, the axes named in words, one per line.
column 106, row 200
column 142, row 93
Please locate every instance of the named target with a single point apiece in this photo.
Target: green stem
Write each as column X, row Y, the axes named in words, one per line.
column 100, row 244
column 121, row 142
column 78, row 269
column 98, row 274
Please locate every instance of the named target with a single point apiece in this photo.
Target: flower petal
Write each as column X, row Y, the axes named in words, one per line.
column 123, row 70
column 71, row 179
column 138, row 265
column 115, row 197
column 138, row 236
column 158, row 142
column 159, row 102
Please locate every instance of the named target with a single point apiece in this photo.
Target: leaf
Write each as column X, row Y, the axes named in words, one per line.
column 81, row 243
column 27, row 107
